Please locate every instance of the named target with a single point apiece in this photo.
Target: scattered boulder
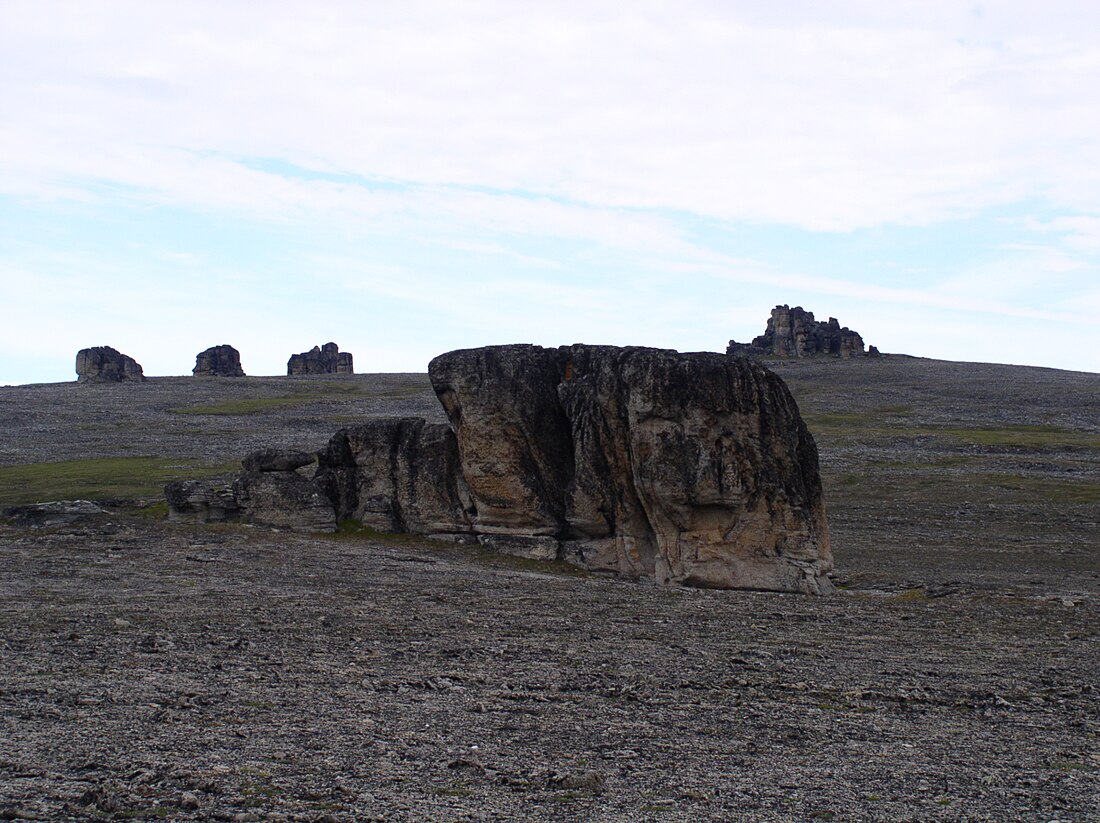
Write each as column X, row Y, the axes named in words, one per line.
column 795, row 333
column 102, row 364
column 326, row 359
column 218, row 361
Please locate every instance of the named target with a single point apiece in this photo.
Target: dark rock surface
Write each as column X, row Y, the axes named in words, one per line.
column 270, row 492
column 284, row 500
column 326, row 359
column 397, row 475
column 795, row 333
column 513, row 436
column 54, row 513
column 218, row 361
column 690, row 468
column 203, row 500
column 103, row 364
column 277, row 460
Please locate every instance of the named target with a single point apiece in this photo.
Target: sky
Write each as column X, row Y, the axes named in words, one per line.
column 410, row 178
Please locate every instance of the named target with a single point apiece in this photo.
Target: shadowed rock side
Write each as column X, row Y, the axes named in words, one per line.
column 397, row 474
column 218, row 361
column 103, row 364
column 795, row 333
column 326, row 359
column 692, row 468
column 270, row 492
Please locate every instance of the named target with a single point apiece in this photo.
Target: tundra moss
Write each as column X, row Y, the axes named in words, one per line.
column 103, row 478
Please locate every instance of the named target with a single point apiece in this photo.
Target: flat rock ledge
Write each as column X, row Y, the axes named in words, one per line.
column 694, row 469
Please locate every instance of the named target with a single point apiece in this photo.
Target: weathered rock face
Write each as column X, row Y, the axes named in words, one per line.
column 513, row 437
column 795, row 333
column 270, row 492
column 326, row 359
column 203, row 501
column 397, row 475
column 692, row 468
column 102, row 364
column 218, row 361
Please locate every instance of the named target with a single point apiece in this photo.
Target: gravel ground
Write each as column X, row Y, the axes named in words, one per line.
column 151, row 670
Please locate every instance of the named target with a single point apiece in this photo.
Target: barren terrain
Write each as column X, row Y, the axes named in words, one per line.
column 152, row 670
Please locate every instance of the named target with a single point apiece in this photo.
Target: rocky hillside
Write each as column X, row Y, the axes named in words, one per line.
column 155, row 670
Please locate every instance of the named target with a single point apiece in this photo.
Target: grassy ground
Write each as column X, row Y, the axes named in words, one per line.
column 99, row 479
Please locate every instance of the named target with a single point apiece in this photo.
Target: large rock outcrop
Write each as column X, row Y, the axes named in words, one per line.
column 326, row 359
column 692, row 468
column 795, row 333
column 218, row 361
column 689, row 468
column 103, row 364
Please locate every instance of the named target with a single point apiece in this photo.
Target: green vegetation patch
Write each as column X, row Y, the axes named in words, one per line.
column 1032, row 437
column 1047, row 489
column 100, row 479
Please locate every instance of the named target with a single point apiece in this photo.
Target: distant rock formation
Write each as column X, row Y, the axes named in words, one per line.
column 218, row 361
column 102, row 364
column 326, row 359
column 690, row 468
column 795, row 333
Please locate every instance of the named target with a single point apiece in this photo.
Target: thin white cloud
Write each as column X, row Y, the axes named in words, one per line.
column 854, row 121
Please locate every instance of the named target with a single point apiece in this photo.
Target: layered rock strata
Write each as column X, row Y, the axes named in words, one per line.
column 103, row 364
column 218, row 361
column 795, row 333
column 691, row 468
column 326, row 359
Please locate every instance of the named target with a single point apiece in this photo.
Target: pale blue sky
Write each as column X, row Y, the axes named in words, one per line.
column 409, row 178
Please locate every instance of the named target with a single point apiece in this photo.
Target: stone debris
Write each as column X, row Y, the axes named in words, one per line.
column 270, row 492
column 55, row 513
